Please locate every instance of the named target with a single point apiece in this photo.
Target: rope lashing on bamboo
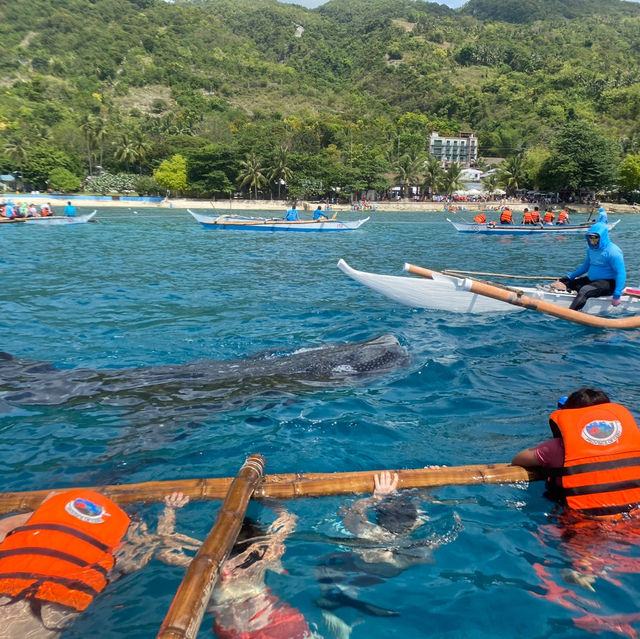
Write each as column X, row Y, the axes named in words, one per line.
column 518, row 299
column 187, row 609
column 286, row 486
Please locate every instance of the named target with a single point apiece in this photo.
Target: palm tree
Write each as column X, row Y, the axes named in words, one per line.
column 279, row 171
column 141, row 146
column 510, row 173
column 251, row 173
column 407, row 169
column 451, row 178
column 433, row 174
column 17, row 153
column 490, row 183
column 126, row 150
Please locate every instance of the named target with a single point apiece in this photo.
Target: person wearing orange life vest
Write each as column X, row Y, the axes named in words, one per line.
column 549, row 216
column 506, row 217
column 527, row 218
column 593, row 456
column 563, row 217
column 54, row 561
column 535, row 215
column 480, row 219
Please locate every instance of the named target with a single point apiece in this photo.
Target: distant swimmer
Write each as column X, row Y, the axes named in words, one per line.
column 57, row 559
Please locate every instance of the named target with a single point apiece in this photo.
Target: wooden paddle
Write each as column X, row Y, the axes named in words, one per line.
column 516, row 298
column 288, row 486
column 189, row 604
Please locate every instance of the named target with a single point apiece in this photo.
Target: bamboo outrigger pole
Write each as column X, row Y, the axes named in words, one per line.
column 516, row 298
column 187, row 609
column 287, row 486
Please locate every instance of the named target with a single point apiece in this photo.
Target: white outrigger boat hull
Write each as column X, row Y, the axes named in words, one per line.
column 54, row 220
column 524, row 229
column 446, row 293
column 247, row 223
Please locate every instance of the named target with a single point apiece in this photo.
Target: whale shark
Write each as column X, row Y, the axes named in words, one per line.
column 226, row 382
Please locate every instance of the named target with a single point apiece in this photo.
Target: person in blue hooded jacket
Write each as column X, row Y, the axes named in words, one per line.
column 292, row 215
column 602, row 272
column 602, row 215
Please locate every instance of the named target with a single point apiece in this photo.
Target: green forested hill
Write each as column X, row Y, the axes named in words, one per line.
column 346, row 89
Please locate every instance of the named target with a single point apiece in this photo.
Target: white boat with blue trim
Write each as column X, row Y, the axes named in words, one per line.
column 248, row 223
column 449, row 293
column 494, row 228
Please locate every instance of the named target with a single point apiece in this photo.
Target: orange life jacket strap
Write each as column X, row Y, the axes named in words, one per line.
column 606, row 511
column 593, row 466
column 55, row 554
column 602, row 488
column 63, row 529
column 38, row 580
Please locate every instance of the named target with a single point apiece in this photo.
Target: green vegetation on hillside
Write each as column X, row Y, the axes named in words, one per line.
column 341, row 97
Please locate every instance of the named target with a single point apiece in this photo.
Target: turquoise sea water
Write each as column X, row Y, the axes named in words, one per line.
column 152, row 287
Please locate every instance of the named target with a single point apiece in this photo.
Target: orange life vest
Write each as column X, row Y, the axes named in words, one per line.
column 548, row 217
column 601, row 472
column 564, row 215
column 480, row 219
column 64, row 551
column 527, row 218
column 506, row 217
column 535, row 217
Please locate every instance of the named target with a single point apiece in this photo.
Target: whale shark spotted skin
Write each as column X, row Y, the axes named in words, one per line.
column 30, row 382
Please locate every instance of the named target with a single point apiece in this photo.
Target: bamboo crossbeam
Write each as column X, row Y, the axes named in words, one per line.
column 506, row 275
column 286, row 486
column 187, row 609
column 541, row 306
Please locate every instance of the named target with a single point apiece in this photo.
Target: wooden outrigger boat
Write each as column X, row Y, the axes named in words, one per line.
column 53, row 220
column 523, row 229
column 247, row 223
column 449, row 293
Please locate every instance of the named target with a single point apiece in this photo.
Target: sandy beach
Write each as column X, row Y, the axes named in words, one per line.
column 226, row 206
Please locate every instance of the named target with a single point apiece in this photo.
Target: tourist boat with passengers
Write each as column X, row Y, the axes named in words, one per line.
column 494, row 228
column 249, row 223
column 449, row 293
column 51, row 220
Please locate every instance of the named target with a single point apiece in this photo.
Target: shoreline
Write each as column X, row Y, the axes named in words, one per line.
column 229, row 206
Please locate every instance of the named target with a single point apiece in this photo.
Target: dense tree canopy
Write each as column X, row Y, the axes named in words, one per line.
column 346, row 90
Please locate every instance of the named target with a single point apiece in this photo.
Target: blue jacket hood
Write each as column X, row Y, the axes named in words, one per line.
column 603, row 231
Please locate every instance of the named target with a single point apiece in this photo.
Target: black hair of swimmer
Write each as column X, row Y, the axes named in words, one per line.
column 249, row 531
column 398, row 515
column 584, row 397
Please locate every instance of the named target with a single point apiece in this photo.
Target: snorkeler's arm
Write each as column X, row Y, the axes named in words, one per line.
column 9, row 523
column 356, row 522
column 167, row 520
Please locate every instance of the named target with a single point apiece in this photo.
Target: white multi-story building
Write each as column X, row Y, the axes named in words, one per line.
column 462, row 149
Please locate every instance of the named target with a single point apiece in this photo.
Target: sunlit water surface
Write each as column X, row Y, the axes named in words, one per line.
column 151, row 287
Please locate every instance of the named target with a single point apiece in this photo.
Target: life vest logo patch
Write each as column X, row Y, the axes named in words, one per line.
column 86, row 511
column 602, row 432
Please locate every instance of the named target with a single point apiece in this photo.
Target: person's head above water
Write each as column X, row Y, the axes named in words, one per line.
column 398, row 515
column 585, row 396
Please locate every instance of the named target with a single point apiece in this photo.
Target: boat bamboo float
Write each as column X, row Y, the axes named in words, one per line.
column 287, row 486
column 516, row 298
column 187, row 609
